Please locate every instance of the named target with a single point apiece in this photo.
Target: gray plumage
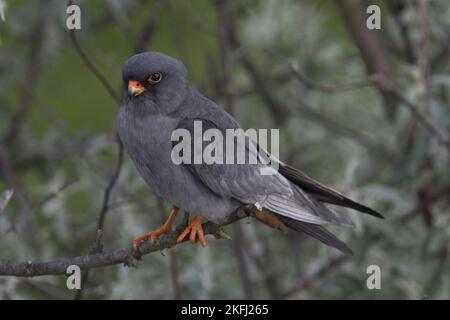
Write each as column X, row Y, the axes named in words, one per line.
column 146, row 123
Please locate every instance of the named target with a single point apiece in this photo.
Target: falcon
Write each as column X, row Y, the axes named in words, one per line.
column 158, row 100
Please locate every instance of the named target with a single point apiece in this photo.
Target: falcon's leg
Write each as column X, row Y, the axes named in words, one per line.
column 166, row 228
column 195, row 231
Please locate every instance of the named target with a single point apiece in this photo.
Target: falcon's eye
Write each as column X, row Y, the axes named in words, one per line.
column 155, row 78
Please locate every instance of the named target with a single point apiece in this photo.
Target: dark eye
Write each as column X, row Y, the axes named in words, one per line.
column 155, row 78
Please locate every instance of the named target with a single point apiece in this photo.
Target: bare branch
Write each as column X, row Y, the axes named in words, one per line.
column 55, row 193
column 333, row 126
column 97, row 246
column 387, row 86
column 403, row 48
column 278, row 110
column 422, row 118
column 330, row 88
column 242, row 256
column 126, row 256
column 224, row 18
column 33, row 73
column 173, row 260
column 111, row 184
column 146, row 34
column 372, row 50
column 308, row 282
column 92, row 66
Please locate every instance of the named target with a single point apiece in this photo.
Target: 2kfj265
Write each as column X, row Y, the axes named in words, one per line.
column 246, row 309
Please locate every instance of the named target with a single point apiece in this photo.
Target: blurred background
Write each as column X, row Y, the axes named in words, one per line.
column 300, row 66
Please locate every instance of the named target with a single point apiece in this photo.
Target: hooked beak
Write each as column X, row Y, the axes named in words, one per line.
column 135, row 88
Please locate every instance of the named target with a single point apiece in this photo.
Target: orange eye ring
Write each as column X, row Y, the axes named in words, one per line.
column 155, row 78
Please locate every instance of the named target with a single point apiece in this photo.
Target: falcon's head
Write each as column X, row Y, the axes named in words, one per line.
column 156, row 79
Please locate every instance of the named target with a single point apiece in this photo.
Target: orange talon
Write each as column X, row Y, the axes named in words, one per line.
column 166, row 228
column 195, row 231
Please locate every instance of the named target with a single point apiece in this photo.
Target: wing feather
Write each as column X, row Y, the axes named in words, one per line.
column 245, row 183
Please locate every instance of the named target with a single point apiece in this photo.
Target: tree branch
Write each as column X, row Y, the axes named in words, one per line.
column 33, row 72
column 387, row 86
column 126, row 256
column 330, row 88
column 278, row 110
column 371, row 48
column 87, row 61
column 308, row 282
column 97, row 246
column 421, row 117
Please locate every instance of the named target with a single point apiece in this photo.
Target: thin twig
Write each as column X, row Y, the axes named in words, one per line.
column 330, row 88
column 146, row 33
column 334, row 126
column 225, row 85
column 33, row 72
column 278, row 110
column 55, row 193
column 405, row 50
column 224, row 15
column 173, row 261
column 110, row 187
column 422, row 118
column 87, row 61
column 97, row 246
column 371, row 48
column 308, row 282
column 329, row 122
column 241, row 250
column 179, row 38
column 139, row 45
column 387, row 86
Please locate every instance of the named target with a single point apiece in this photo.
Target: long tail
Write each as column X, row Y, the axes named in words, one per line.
column 322, row 192
column 318, row 232
column 284, row 223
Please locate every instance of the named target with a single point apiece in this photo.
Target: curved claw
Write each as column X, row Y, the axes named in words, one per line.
column 153, row 236
column 195, row 232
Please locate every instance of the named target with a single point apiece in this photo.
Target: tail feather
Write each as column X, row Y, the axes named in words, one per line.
column 322, row 192
column 318, row 232
column 346, row 202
